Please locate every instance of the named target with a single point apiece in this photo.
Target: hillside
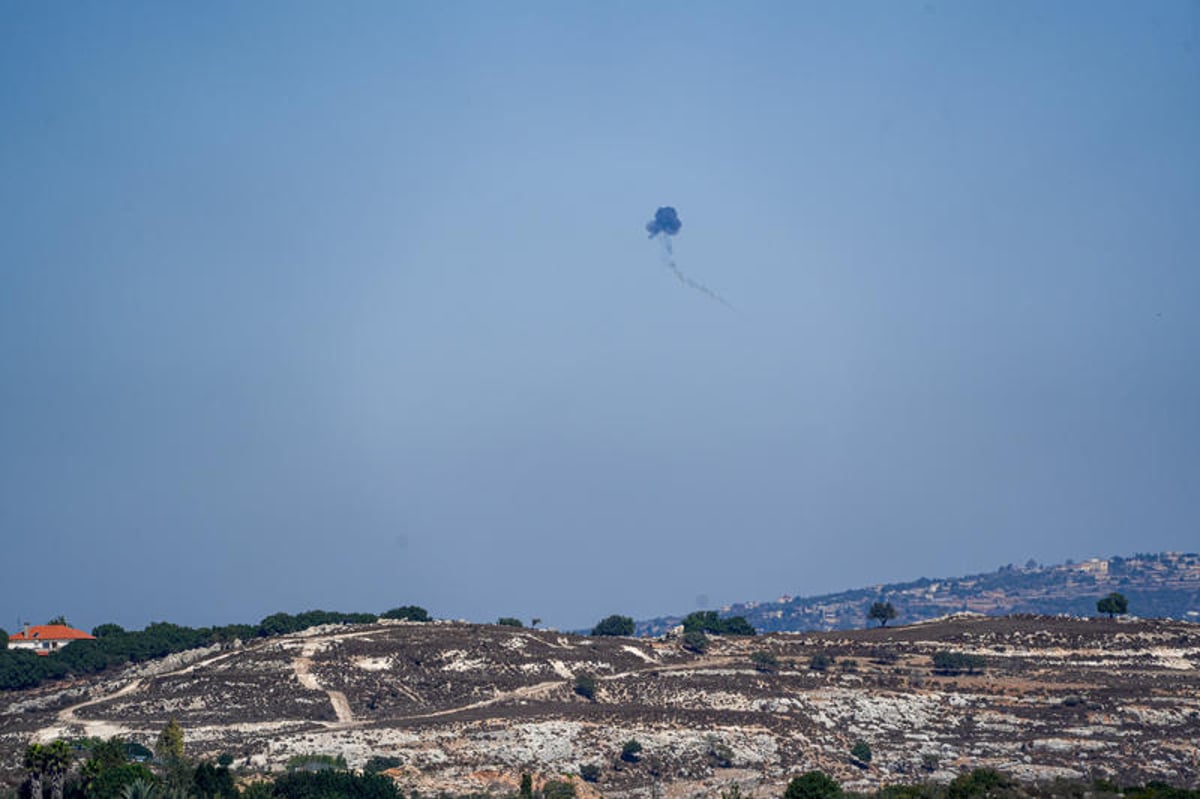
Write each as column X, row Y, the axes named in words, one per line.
column 1165, row 585
column 470, row 707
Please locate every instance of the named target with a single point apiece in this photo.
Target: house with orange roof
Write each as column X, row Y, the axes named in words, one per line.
column 43, row 639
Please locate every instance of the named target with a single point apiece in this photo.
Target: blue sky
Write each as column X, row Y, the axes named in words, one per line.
column 351, row 305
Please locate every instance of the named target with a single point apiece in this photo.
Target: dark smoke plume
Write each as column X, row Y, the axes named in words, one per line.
column 666, row 221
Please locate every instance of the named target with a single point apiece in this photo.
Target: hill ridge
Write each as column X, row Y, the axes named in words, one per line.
column 1161, row 585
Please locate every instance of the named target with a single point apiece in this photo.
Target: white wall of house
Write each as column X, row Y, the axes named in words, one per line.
column 38, row 644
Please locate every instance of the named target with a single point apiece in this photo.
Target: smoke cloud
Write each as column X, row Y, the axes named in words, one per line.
column 666, row 221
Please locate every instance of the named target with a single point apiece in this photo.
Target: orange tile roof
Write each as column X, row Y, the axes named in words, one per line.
column 50, row 632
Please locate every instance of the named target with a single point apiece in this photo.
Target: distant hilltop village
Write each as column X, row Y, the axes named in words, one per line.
column 1164, row 585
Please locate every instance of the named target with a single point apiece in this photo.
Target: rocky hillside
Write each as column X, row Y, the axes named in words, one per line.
column 470, row 707
column 1165, row 585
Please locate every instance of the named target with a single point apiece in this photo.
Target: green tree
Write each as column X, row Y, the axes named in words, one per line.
column 631, row 752
column 764, row 660
column 821, row 662
column 737, row 625
column 882, row 612
column 34, row 761
column 708, row 621
column 59, row 619
column 614, row 625
column 57, row 763
column 406, row 613
column 1114, row 604
column 20, row 668
column 813, row 785
column 590, row 772
column 509, row 621
column 214, row 781
column 3, row 639
column 861, row 752
column 333, row 783
column 111, row 782
column 170, row 742
column 109, row 754
column 526, row 790
column 107, row 629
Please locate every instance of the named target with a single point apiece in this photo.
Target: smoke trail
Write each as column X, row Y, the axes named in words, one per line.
column 669, row 261
column 666, row 221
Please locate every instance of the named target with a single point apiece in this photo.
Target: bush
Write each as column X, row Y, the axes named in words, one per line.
column 558, row 789
column 406, row 613
column 695, row 641
column 953, row 663
column 720, row 755
column 315, row 762
column 813, row 785
column 631, row 752
column 980, row 782
column 764, row 660
column 614, row 625
column 509, row 621
column 590, row 772
column 884, row 657
column 378, row 763
column 821, row 662
column 861, row 752
column 585, row 686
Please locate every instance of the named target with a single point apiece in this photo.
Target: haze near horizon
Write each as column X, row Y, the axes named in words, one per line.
column 350, row 307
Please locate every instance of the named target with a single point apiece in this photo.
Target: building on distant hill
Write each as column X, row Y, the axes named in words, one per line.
column 45, row 638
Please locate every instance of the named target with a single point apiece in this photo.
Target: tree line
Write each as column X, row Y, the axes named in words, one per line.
column 116, row 646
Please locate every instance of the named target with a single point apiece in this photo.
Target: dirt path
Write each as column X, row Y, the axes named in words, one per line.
column 302, row 666
column 341, row 706
column 67, row 718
